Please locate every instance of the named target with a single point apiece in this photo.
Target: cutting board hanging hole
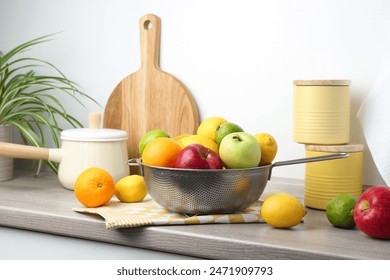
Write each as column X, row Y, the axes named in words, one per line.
column 148, row 25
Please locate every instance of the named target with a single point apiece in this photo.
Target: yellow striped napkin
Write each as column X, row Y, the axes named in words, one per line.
column 148, row 213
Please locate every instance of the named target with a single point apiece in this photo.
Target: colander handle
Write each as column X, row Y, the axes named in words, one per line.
column 311, row 159
column 136, row 162
column 307, row 160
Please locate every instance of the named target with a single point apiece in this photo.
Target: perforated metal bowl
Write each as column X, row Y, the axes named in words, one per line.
column 211, row 191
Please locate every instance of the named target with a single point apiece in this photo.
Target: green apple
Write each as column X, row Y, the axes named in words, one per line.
column 149, row 136
column 240, row 150
column 224, row 129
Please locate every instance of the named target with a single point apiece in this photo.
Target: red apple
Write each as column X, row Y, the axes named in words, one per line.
column 196, row 156
column 372, row 212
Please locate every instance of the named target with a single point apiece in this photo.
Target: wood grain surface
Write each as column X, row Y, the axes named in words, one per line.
column 321, row 82
column 348, row 148
column 43, row 205
column 150, row 98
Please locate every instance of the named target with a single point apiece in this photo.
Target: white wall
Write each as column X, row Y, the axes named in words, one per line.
column 238, row 58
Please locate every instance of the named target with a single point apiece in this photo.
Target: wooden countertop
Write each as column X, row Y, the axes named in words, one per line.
column 42, row 204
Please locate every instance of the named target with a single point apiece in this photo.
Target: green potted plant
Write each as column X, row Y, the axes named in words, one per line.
column 29, row 101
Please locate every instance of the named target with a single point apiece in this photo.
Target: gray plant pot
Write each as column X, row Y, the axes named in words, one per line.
column 6, row 164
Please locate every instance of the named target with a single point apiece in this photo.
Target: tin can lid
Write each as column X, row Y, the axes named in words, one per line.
column 348, row 148
column 322, row 82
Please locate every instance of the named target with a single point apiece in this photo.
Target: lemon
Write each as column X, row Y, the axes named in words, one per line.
column 149, row 136
column 131, row 188
column 209, row 126
column 282, row 210
column 181, row 136
column 199, row 139
column 268, row 146
column 339, row 211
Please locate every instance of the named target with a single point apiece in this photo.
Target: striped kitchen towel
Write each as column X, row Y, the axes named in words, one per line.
column 148, row 213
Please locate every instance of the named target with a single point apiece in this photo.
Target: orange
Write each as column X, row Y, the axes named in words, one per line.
column 161, row 152
column 94, row 187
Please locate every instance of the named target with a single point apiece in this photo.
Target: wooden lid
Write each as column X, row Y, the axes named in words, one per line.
column 322, row 82
column 349, row 148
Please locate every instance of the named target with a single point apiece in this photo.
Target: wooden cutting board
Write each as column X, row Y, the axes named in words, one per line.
column 150, row 98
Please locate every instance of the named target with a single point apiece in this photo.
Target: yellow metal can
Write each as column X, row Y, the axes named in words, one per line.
column 321, row 112
column 324, row 180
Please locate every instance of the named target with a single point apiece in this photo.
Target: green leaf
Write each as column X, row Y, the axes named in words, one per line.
column 31, row 101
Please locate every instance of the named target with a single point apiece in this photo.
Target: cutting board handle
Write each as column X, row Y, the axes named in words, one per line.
column 150, row 26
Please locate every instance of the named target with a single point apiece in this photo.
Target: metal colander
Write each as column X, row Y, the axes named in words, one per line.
column 211, row 191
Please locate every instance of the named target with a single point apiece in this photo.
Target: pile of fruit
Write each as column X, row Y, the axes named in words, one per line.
column 217, row 144
column 370, row 213
column 220, row 144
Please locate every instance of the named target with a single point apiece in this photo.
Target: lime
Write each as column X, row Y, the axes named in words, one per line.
column 224, row 129
column 149, row 136
column 339, row 211
column 282, row 210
